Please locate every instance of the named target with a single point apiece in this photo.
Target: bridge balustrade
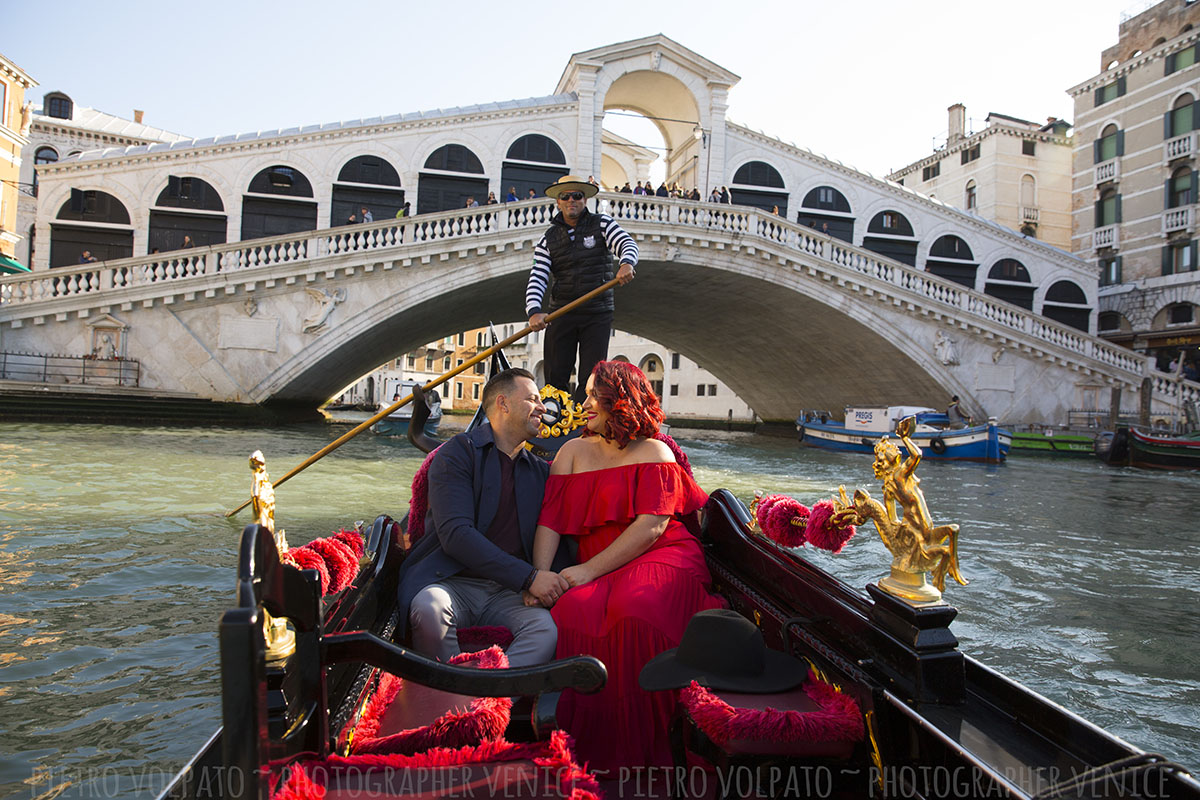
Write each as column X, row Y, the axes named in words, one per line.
column 705, row 218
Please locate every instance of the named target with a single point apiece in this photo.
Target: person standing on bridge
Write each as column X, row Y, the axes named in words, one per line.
column 577, row 252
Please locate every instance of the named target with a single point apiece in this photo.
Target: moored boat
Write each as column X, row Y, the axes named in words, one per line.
column 1049, row 442
column 864, row 424
column 1130, row 446
column 396, row 423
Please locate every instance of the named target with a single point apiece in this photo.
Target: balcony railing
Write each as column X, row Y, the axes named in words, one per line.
column 1029, row 214
column 1180, row 147
column 1177, row 219
column 1108, row 236
column 1108, row 170
column 37, row 368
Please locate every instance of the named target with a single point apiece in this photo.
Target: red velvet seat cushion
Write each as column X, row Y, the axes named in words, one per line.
column 814, row 719
column 408, row 718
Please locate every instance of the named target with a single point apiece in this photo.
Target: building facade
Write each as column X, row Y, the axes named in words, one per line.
column 14, row 132
column 1012, row 171
column 1135, row 182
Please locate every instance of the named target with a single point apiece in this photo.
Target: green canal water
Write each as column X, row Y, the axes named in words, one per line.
column 116, row 564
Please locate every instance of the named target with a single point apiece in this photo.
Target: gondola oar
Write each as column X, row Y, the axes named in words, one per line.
column 521, row 334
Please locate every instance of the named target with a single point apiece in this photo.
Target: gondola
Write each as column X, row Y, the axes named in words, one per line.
column 934, row 722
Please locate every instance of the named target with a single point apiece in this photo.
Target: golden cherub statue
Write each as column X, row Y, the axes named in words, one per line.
column 916, row 544
column 262, row 499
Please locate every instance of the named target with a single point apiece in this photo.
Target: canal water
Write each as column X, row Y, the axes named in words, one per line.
column 116, row 564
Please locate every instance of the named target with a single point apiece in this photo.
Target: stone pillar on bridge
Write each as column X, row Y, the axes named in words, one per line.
column 714, row 159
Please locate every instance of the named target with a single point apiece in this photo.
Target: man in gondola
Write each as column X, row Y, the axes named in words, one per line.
column 472, row 565
column 577, row 251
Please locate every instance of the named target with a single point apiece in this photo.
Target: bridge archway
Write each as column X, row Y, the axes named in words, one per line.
column 827, row 369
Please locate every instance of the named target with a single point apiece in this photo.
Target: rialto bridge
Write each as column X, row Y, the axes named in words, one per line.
column 789, row 316
column 859, row 290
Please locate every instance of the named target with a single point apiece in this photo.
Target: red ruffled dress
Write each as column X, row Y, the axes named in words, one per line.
column 630, row 615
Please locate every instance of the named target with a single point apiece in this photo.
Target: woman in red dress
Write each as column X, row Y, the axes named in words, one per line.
column 641, row 575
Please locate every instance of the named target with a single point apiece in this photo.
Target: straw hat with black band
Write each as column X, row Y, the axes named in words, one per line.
column 571, row 183
column 723, row 650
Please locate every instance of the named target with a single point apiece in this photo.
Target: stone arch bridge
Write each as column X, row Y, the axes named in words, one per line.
column 788, row 317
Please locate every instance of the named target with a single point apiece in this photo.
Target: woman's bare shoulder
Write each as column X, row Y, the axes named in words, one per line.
column 564, row 459
column 653, row 451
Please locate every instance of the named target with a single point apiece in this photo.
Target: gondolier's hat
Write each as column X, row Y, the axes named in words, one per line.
column 571, row 183
column 723, row 650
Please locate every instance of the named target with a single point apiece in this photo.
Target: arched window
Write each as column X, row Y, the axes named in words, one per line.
column 950, row 257
column 533, row 162
column 281, row 180
column 1008, row 280
column 376, row 187
column 890, row 234
column 827, row 210
column 1109, row 145
column 969, row 201
column 186, row 207
column 538, row 148
column 1181, row 188
column 1028, row 191
column 1109, row 321
column 278, row 216
column 107, row 235
column 45, row 155
column 454, row 158
column 759, row 173
column 1067, row 303
column 57, row 105
column 1181, row 118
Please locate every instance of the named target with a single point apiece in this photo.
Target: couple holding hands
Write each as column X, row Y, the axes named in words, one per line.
column 585, row 556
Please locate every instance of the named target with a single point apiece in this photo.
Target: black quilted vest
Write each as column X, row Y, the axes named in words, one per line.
column 581, row 265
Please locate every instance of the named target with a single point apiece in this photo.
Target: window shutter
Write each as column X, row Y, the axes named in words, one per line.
column 1192, row 247
column 1167, row 194
column 1195, row 115
column 1099, row 214
column 1098, row 96
column 1117, row 213
column 1117, row 276
column 1096, row 152
column 1121, row 86
column 1166, row 260
column 1194, row 185
column 1169, row 64
column 1167, row 134
column 1121, row 143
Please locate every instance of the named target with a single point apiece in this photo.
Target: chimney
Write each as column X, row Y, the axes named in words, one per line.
column 137, row 115
column 958, row 122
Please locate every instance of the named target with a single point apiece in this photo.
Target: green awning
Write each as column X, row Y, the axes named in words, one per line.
column 11, row 265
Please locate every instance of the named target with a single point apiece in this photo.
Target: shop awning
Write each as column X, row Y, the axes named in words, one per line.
column 10, row 265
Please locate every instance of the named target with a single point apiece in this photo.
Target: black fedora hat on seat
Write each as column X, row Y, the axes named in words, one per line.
column 723, row 650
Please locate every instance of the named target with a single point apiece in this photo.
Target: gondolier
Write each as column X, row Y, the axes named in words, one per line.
column 578, row 252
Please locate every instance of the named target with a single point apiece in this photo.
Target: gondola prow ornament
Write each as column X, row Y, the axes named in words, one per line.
column 916, row 544
column 281, row 642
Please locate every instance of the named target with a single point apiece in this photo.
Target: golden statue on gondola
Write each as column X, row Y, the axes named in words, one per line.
column 916, row 544
column 280, row 641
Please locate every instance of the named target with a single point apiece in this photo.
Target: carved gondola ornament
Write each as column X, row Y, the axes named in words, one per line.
column 562, row 416
column 280, row 640
column 916, row 544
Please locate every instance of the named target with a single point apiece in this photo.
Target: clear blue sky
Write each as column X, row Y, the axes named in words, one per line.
column 865, row 82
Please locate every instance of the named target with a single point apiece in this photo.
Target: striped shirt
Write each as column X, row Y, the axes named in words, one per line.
column 619, row 242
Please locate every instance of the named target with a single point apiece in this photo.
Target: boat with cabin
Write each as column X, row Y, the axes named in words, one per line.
column 397, row 422
column 935, row 433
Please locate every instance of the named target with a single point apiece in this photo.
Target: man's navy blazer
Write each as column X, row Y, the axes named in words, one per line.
column 464, row 495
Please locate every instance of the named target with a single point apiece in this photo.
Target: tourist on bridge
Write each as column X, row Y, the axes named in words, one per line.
column 578, row 252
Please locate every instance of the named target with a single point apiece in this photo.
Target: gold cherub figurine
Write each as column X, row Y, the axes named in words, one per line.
column 916, row 544
column 262, row 499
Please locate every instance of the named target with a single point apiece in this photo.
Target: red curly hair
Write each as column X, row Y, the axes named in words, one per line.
column 622, row 390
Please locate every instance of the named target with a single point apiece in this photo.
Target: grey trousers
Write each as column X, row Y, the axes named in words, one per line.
column 440, row 609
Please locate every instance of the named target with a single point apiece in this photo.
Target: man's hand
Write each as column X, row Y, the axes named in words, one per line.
column 625, row 273
column 547, row 587
column 538, row 321
column 530, row 600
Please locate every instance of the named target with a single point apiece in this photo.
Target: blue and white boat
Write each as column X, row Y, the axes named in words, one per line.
column 864, row 426
column 396, row 423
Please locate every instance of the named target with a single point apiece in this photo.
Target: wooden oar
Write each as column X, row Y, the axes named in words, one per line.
column 521, row 334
